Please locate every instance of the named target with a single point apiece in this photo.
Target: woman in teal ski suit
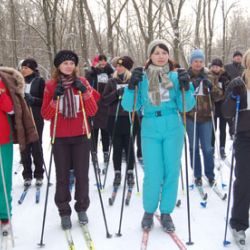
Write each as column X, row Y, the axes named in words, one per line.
column 160, row 98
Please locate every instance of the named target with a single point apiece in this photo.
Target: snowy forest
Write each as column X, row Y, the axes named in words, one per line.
column 40, row 28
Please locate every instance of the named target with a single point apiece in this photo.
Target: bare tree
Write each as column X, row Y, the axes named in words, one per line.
column 198, row 11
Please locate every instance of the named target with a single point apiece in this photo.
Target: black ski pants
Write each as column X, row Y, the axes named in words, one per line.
column 104, row 138
column 72, row 152
column 120, row 142
column 241, row 189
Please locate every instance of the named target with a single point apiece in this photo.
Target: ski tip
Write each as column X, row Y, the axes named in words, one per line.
column 204, row 204
column 226, row 243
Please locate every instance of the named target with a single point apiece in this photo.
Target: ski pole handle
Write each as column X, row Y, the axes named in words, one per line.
column 84, row 116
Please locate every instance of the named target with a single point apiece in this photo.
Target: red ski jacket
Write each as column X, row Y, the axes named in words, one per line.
column 69, row 127
column 6, row 106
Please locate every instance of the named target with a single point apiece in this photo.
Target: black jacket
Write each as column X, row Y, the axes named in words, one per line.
column 36, row 91
column 234, row 69
column 98, row 78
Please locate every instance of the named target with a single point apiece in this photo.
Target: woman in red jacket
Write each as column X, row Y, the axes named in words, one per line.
column 6, row 153
column 72, row 146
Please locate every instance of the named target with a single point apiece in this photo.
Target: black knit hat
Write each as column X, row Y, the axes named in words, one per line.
column 30, row 63
column 65, row 55
column 126, row 62
column 237, row 53
column 217, row 62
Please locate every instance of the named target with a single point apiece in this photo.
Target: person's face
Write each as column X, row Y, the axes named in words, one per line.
column 26, row 71
column 237, row 59
column 216, row 69
column 67, row 67
column 197, row 64
column 120, row 69
column 102, row 63
column 159, row 57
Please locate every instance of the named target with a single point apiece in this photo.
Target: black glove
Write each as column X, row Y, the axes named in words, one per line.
column 120, row 91
column 184, row 79
column 238, row 86
column 29, row 99
column 77, row 84
column 136, row 77
column 208, row 84
column 58, row 91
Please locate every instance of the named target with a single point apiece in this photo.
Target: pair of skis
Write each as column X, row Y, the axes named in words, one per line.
column 25, row 191
column 173, row 236
column 86, row 234
column 114, row 194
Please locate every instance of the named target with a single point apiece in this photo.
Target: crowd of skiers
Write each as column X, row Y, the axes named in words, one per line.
column 161, row 101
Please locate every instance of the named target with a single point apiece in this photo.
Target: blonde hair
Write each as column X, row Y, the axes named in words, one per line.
column 246, row 64
column 127, row 75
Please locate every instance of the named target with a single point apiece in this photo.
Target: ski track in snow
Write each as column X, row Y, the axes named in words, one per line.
column 207, row 224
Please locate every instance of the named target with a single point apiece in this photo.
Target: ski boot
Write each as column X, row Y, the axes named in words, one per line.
column 239, row 238
column 222, row 153
column 167, row 223
column 198, row 182
column 39, row 182
column 140, row 160
column 147, row 221
column 27, row 182
column 82, row 217
column 130, row 178
column 211, row 182
column 117, row 180
column 66, row 222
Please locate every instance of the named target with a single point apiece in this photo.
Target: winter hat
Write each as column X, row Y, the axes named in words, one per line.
column 126, row 62
column 30, row 63
column 65, row 55
column 114, row 61
column 237, row 53
column 155, row 43
column 217, row 62
column 197, row 54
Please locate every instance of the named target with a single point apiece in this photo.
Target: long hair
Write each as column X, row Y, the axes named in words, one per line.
column 162, row 46
column 246, row 64
column 127, row 75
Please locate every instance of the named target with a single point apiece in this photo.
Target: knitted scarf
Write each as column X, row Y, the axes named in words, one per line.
column 69, row 102
column 157, row 76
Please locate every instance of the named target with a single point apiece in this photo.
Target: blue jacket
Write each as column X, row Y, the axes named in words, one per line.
column 173, row 105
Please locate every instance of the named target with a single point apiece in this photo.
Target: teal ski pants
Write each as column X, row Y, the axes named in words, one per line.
column 162, row 143
column 6, row 160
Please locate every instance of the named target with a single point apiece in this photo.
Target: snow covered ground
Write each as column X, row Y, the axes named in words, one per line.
column 207, row 224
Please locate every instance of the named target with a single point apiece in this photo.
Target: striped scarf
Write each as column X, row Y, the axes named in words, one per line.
column 69, row 102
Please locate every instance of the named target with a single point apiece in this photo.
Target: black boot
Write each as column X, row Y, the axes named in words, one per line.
column 117, row 180
column 222, row 153
column 130, row 178
column 167, row 223
column 147, row 221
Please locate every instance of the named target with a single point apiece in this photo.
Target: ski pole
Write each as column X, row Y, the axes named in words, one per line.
column 186, row 163
column 40, row 145
column 41, row 244
column 215, row 138
column 112, row 139
column 84, row 116
column 108, row 235
column 128, row 158
column 225, row 242
column 6, row 197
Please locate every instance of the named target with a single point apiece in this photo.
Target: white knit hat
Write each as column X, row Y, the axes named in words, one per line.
column 154, row 43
